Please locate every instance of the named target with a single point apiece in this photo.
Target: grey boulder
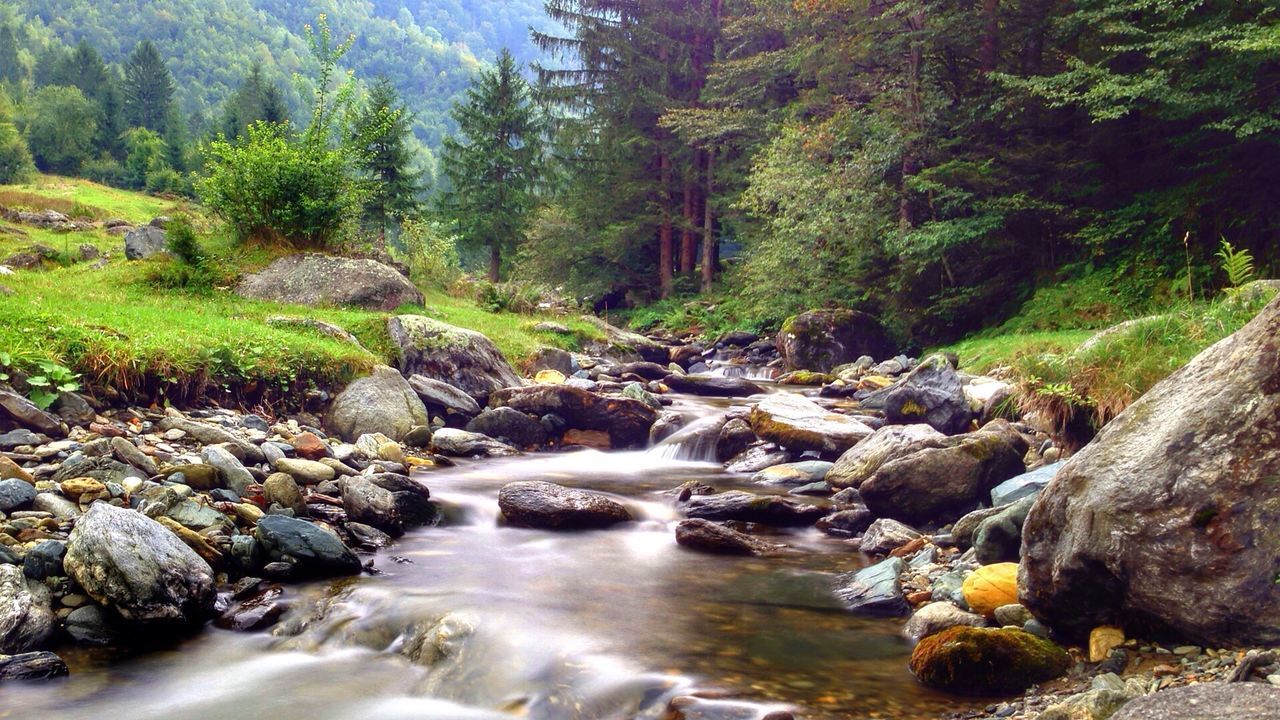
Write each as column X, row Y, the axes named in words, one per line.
column 462, row 358
column 26, row 616
column 537, row 504
column 325, row 280
column 875, row 590
column 382, row 402
column 312, row 551
column 144, row 242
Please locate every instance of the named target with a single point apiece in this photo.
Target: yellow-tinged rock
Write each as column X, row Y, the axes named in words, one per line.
column 10, row 469
column 75, row 487
column 418, row 462
column 874, row 382
column 549, row 377
column 1103, row 640
column 247, row 513
column 991, row 586
column 391, row 452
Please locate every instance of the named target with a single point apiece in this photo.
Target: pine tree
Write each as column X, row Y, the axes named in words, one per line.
column 10, row 66
column 148, row 88
column 257, row 99
column 495, row 169
column 84, row 68
column 381, row 133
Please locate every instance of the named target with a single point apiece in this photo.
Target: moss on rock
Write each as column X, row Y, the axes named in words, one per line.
column 986, row 661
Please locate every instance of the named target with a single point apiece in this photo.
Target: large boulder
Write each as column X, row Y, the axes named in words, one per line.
column 800, row 424
column 862, row 460
column 624, row 345
column 943, row 479
column 710, row 537
column 462, row 358
column 127, row 561
column 821, row 340
column 143, row 242
column 382, row 402
column 325, row 280
column 510, row 426
column 1206, row 701
column 1168, row 523
column 537, row 504
column 748, row 507
column 712, row 385
column 26, row 616
column 443, row 396
column 933, row 394
column 986, row 661
column 626, row 420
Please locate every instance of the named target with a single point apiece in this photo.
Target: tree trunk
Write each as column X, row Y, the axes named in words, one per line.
column 709, row 244
column 990, row 51
column 915, row 106
column 665, row 248
column 688, row 246
column 495, row 264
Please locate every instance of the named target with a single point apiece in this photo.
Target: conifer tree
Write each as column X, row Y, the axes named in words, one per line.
column 494, row 167
column 148, row 88
column 381, row 132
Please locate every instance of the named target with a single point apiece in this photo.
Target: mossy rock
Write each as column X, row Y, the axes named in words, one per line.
column 986, row 661
column 806, row 377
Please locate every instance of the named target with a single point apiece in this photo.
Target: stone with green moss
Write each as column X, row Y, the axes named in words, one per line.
column 986, row 661
column 462, row 358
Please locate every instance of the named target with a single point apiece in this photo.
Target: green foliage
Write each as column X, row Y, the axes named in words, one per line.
column 430, row 252
column 494, row 171
column 59, row 125
column 1237, row 264
column 146, row 155
column 381, row 135
column 44, row 380
column 16, row 165
column 275, row 190
column 148, row 88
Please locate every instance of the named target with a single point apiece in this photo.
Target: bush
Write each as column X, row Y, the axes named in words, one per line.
column 105, row 170
column 431, row 253
column 273, row 189
column 15, row 160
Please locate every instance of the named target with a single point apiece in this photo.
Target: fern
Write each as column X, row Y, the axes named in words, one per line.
column 1238, row 264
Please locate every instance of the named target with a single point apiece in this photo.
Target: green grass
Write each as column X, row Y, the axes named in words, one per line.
column 987, row 351
column 122, row 333
column 64, row 194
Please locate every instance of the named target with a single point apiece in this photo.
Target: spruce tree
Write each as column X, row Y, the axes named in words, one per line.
column 148, row 88
column 10, row 66
column 381, row 132
column 495, row 166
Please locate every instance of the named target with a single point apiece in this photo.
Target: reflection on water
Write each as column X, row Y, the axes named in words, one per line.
column 477, row 620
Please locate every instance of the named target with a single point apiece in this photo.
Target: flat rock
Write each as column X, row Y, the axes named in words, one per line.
column 799, row 424
column 325, row 280
column 1024, row 485
column 461, row 443
column 711, row 385
column 436, row 394
column 862, row 460
column 1206, row 701
column 798, row 473
column 710, row 537
column 748, row 507
column 875, row 590
column 539, row 504
column 312, row 551
column 32, row 666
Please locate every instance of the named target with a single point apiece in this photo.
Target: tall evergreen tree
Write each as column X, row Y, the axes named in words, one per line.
column 10, row 65
column 148, row 88
column 84, row 68
column 256, row 100
column 494, row 168
column 381, row 132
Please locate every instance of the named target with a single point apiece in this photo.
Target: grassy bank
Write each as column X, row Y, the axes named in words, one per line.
column 121, row 333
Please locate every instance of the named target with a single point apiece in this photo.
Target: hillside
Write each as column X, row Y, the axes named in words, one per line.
column 429, row 50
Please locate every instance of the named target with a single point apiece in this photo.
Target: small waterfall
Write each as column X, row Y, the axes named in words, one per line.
column 750, row 372
column 695, row 442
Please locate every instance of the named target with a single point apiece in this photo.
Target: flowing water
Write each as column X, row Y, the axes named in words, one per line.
column 472, row 619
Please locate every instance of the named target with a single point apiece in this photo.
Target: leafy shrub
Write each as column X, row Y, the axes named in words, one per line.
column 430, row 252
column 46, row 381
column 274, row 190
column 105, row 170
column 180, row 239
column 15, row 160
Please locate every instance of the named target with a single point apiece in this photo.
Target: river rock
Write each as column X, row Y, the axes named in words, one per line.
column 863, row 459
column 942, row 479
column 999, row 538
column 370, row 504
column 32, row 666
column 1025, row 485
column 821, row 340
column 886, row 535
column 382, row 402
column 143, row 242
column 465, row 359
column 23, row 412
column 309, row 549
column 199, row 476
column 412, row 498
column 306, row 472
column 626, row 420
column 1187, row 477
column 443, row 396
column 712, row 385
column 847, row 523
column 461, row 443
column 44, row 560
column 707, row 536
column 324, row 280
column 799, row 473
column 26, row 616
column 1206, row 701
column 213, row 435
column 549, row 358
column 89, row 625
column 747, row 507
column 56, row 505
column 233, row 473
column 509, row 425
column 15, row 494
column 129, row 454
column 799, row 424
column 624, row 345
column 130, row 562
column 643, row 369
column 537, row 504
column 734, row 438
column 933, row 394
column 986, row 661
column 875, row 590
column 281, row 489
column 938, row 616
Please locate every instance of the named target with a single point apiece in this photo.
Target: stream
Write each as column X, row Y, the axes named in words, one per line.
column 473, row 619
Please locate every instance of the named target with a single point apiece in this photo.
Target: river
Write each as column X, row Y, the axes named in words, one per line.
column 504, row 622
